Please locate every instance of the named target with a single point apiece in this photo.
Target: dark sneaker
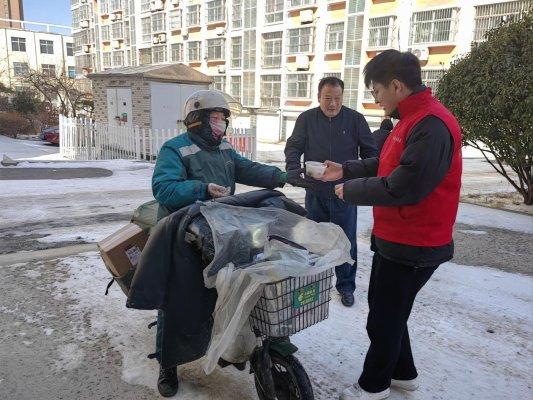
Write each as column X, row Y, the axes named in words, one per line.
column 347, row 299
column 223, row 364
column 167, row 384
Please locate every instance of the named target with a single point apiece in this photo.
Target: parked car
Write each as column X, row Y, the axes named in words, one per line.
column 51, row 135
column 47, row 129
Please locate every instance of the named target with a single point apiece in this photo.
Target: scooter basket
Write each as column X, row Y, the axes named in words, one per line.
column 290, row 305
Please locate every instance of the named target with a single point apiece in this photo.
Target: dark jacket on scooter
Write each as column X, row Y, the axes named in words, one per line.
column 169, row 278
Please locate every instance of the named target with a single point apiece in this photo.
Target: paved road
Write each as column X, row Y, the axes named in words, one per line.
column 17, row 149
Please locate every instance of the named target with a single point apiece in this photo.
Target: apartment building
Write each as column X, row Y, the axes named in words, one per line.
column 39, row 49
column 271, row 54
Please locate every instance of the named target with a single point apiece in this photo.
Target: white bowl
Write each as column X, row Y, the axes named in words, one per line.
column 315, row 169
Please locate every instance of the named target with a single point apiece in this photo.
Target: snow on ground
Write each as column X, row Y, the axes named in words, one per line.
column 471, row 214
column 471, row 329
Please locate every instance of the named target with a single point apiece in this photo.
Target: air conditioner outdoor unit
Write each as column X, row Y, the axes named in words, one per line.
column 113, row 17
column 162, row 37
column 422, row 53
column 155, row 40
column 115, row 44
column 306, row 16
column 220, row 31
column 118, row 16
column 184, row 32
column 86, row 48
column 84, row 23
column 221, row 69
column 302, row 62
column 156, row 5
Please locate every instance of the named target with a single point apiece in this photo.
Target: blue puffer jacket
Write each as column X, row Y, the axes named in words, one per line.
column 185, row 167
column 320, row 138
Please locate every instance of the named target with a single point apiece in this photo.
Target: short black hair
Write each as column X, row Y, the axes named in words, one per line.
column 392, row 64
column 330, row 80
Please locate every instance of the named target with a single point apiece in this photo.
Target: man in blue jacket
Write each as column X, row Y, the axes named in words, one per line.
column 330, row 131
column 200, row 165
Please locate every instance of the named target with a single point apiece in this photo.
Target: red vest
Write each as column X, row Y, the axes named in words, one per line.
column 430, row 222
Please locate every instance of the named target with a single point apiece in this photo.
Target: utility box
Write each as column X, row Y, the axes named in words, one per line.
column 147, row 96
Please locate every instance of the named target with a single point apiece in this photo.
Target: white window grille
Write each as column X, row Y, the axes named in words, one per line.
column 145, row 56
column 491, row 16
column 104, row 7
column 117, row 30
column 434, row 26
column 215, row 11
column 270, row 91
column 194, row 51
column 115, row 5
column 145, row 5
column 106, row 59
column 236, row 52
column 159, row 54
column 176, row 52
column 193, row 15
column 356, row 6
column 146, row 29
column 215, row 49
column 297, row 3
column 299, row 86
column 248, row 50
column 18, row 44
column 236, row 87
column 219, row 83
column 104, row 33
column 47, row 46
column 118, row 58
column 248, row 91
column 250, row 13
column 354, row 37
column 273, row 11
column 158, row 22
column 332, row 74
column 300, row 40
column 431, row 78
column 335, row 37
column 236, row 14
column 380, row 31
column 174, row 19
column 272, row 45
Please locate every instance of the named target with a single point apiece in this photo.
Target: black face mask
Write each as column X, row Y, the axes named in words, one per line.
column 204, row 134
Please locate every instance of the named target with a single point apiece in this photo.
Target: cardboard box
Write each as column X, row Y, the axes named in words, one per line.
column 121, row 251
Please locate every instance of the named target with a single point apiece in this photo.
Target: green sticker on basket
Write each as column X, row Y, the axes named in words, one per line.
column 305, row 295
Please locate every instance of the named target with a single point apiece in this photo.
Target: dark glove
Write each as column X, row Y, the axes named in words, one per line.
column 295, row 178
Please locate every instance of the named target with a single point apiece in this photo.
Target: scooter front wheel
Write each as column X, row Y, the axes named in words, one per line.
column 290, row 380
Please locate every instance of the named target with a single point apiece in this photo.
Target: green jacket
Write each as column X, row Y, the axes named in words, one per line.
column 185, row 167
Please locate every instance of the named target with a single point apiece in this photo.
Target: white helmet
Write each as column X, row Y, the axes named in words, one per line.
column 210, row 100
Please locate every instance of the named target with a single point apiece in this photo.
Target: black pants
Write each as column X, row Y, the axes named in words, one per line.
column 391, row 293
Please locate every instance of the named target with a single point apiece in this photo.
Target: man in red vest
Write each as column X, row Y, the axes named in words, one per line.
column 414, row 188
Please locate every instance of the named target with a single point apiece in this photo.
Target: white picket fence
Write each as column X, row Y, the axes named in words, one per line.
column 84, row 140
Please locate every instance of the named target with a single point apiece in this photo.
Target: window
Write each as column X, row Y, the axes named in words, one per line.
column 270, row 90
column 104, row 31
column 250, row 13
column 431, row 77
column 176, row 52
column 300, row 40
column 48, row 70
column 118, row 58
column 116, row 5
column 333, row 74
column 146, row 29
column 490, row 16
column 273, row 11
column 354, row 35
column 47, row 46
column 145, row 56
column 236, row 52
column 432, row 26
column 356, row 6
column 215, row 11
column 248, row 47
column 117, row 31
column 335, row 37
column 193, row 15
column 85, row 12
column 236, row 14
column 248, row 95
column 70, row 49
column 215, row 49
column 219, row 83
column 104, row 7
column 71, row 72
column 106, row 59
column 18, row 44
column 296, row 3
column 159, row 54
column 299, row 86
column 380, row 31
column 84, row 61
column 193, row 51
column 174, row 19
column 158, row 22
column 272, row 43
column 235, row 87
column 145, row 5
column 20, row 69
